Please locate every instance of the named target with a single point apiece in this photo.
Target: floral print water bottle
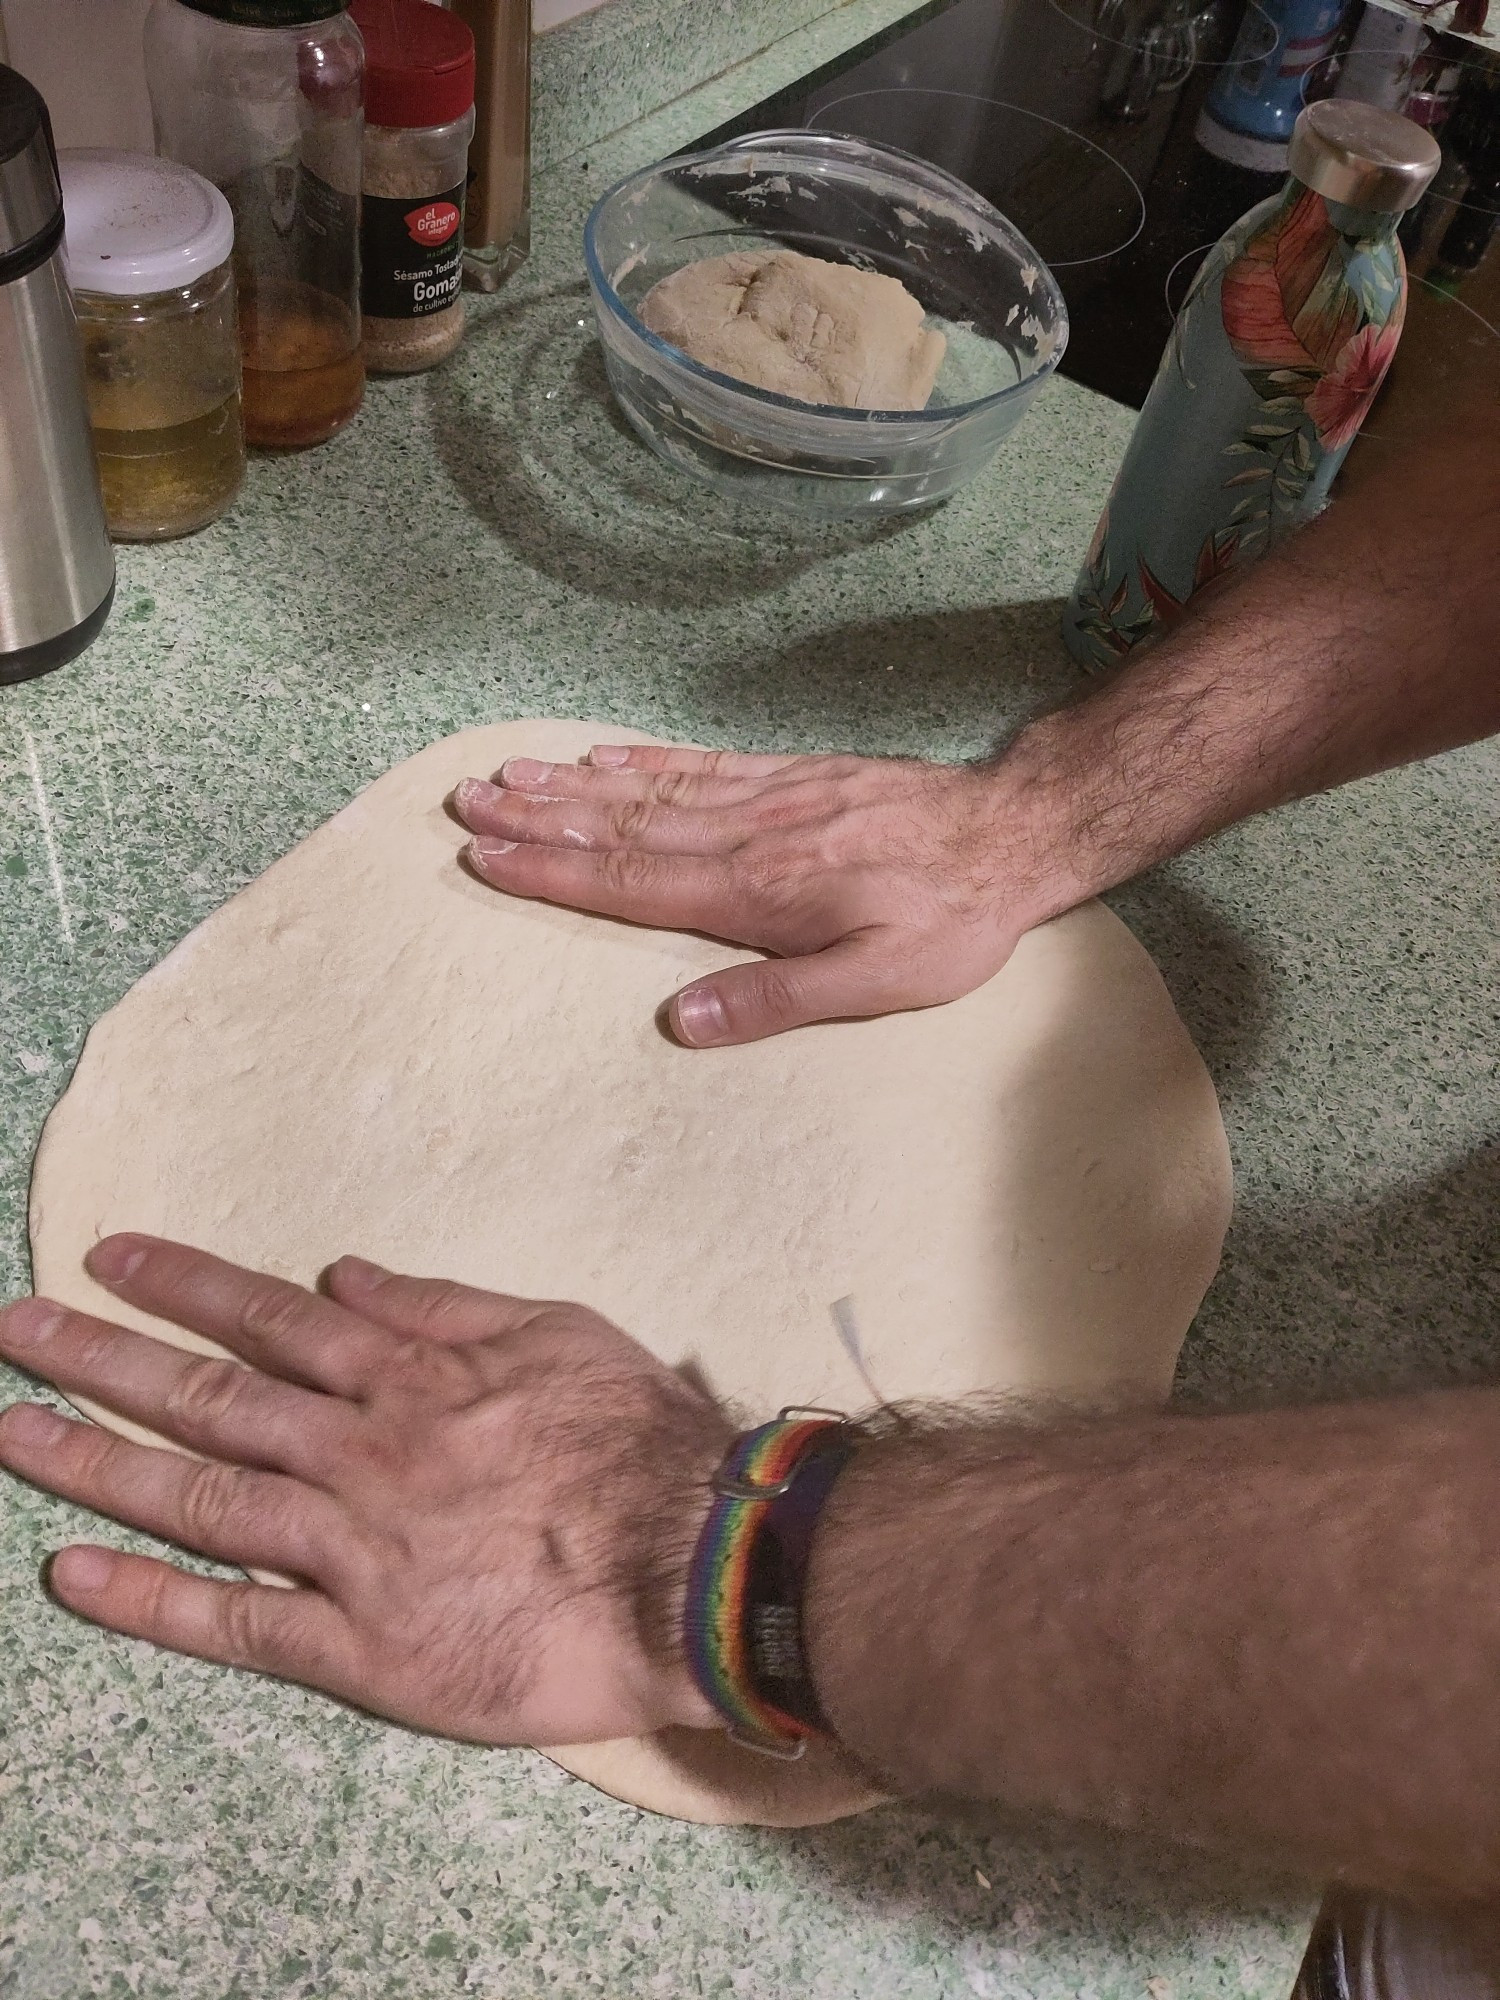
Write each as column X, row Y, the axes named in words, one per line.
column 1276, row 356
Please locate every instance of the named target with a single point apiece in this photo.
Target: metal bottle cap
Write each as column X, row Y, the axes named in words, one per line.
column 1362, row 155
column 30, row 199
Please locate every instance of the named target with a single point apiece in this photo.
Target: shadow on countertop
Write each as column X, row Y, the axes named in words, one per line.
column 1226, row 990
column 943, row 682
column 540, row 454
column 1319, row 1299
column 1064, row 1889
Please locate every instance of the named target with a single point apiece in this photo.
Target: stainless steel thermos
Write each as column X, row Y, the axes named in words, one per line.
column 57, row 570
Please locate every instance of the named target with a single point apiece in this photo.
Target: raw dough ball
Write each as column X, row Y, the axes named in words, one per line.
column 801, row 326
column 367, row 1050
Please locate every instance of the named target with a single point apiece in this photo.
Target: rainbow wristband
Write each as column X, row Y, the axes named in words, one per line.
column 744, row 1597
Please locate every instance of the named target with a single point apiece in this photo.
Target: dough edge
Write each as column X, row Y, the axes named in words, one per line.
column 643, row 1772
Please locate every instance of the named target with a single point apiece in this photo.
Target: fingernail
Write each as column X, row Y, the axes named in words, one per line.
column 115, row 1259
column 82, row 1570
column 699, row 1016
column 475, row 792
column 29, row 1423
column 487, row 849
column 365, row 1274
column 525, row 771
column 610, row 754
column 31, row 1321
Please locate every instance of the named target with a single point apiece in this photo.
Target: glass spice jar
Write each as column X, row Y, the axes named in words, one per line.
column 263, row 97
column 148, row 257
column 419, row 118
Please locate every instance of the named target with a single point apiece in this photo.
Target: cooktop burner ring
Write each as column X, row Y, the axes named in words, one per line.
column 1106, row 179
column 1196, row 256
column 1113, row 204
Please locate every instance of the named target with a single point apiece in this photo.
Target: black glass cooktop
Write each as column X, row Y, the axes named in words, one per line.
column 1076, row 118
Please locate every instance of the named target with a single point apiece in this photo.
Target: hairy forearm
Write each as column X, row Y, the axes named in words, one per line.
column 1370, row 640
column 1273, row 1631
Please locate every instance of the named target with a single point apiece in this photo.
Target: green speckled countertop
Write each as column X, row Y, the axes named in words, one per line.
column 488, row 542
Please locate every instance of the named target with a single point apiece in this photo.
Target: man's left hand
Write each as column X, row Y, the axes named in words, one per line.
column 879, row 884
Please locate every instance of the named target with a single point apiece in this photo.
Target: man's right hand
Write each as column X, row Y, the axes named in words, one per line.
column 879, row 884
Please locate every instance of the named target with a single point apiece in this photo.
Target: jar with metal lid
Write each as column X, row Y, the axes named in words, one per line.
column 263, row 98
column 1279, row 350
column 148, row 255
column 57, row 569
column 419, row 119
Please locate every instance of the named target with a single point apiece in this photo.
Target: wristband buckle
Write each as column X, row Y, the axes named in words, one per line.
column 746, row 1489
column 784, row 1749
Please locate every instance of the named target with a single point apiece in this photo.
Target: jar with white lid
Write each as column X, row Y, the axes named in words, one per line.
column 148, row 256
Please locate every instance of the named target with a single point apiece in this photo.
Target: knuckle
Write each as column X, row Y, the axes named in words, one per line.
column 849, row 791
column 406, row 1474
column 306, row 1531
column 633, row 820
column 207, row 1497
column 205, row 1392
column 778, row 987
column 771, row 883
column 157, row 1586
column 420, row 1378
column 782, row 811
column 415, row 1364
column 97, row 1457
column 271, row 1308
column 628, row 871
column 239, row 1623
column 675, row 788
column 96, row 1347
column 377, row 1461
column 890, row 979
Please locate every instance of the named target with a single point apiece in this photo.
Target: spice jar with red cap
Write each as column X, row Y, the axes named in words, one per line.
column 419, row 119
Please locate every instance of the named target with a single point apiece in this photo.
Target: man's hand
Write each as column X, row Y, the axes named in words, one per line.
column 491, row 1504
column 879, row 885
column 884, row 885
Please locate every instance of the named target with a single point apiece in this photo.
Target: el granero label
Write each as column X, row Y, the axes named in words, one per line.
column 413, row 253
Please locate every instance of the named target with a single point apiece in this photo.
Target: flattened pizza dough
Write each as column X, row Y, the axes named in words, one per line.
column 367, row 1050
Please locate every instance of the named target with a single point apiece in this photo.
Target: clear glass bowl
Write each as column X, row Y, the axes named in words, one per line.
column 977, row 277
